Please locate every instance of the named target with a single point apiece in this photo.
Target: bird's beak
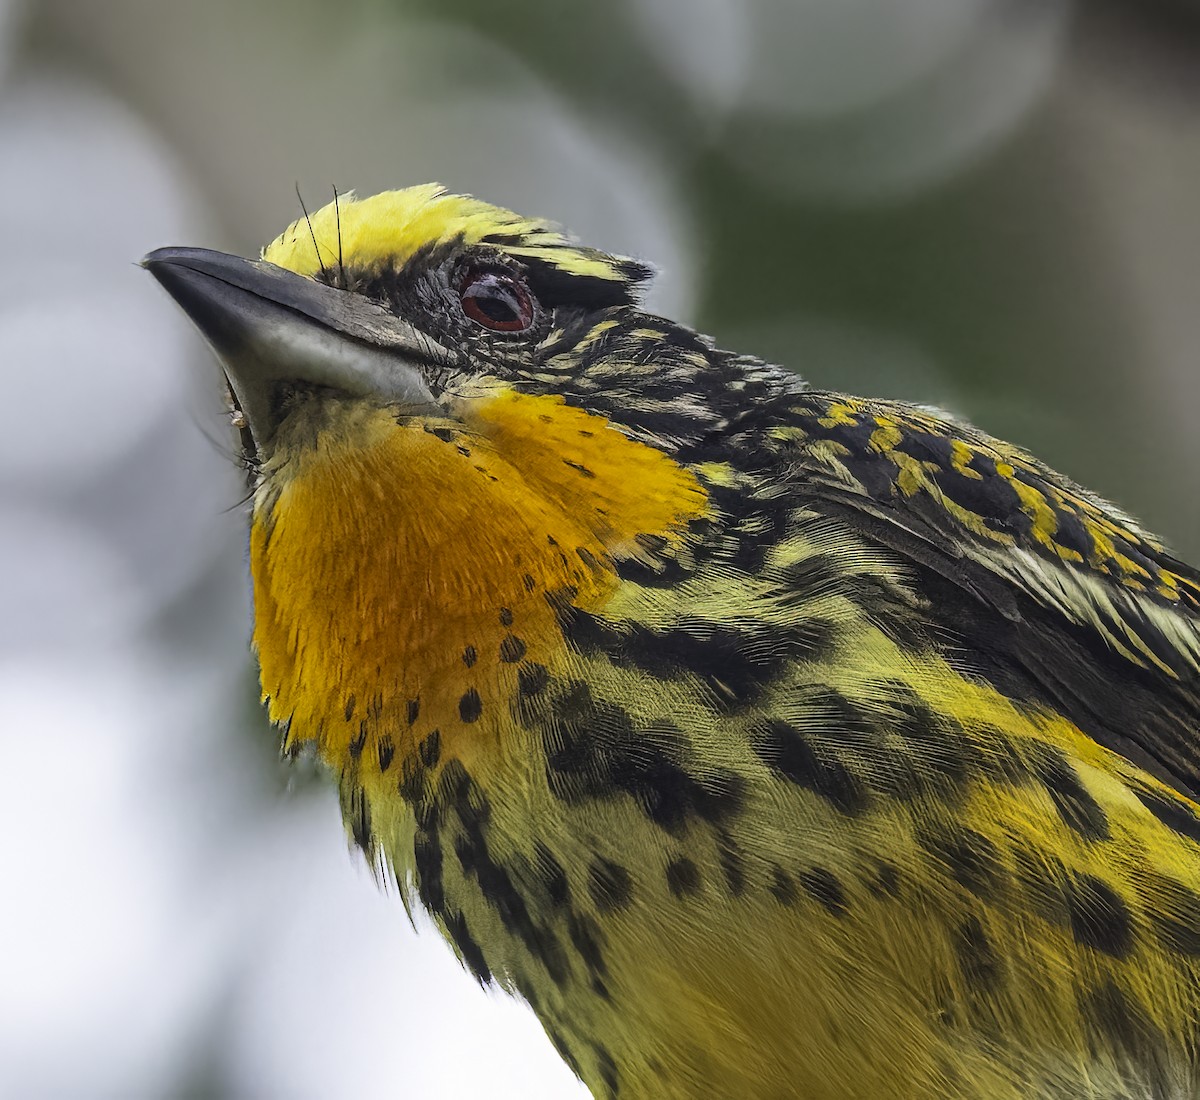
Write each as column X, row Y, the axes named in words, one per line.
column 269, row 326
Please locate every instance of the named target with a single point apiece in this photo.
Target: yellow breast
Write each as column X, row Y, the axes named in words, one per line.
column 406, row 572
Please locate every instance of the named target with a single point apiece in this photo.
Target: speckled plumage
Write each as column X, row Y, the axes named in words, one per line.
column 769, row 742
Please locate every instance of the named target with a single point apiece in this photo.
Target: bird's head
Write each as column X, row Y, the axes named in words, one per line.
column 462, row 424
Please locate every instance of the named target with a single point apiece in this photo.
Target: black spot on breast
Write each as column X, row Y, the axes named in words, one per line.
column 552, row 875
column 971, row 858
column 1077, row 808
column 532, row 679
column 982, row 968
column 733, row 863
column 1044, row 879
column 506, row 616
column 885, row 881
column 785, row 750
column 469, row 951
column 782, row 887
column 610, row 885
column 414, row 780
column 470, row 656
column 1099, row 918
column 823, row 885
column 430, row 749
column 470, row 706
column 512, row 649
column 413, row 710
column 683, row 877
column 359, row 741
column 1173, row 813
column 385, row 749
column 588, row 558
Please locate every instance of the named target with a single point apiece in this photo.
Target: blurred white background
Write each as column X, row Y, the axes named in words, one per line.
column 988, row 205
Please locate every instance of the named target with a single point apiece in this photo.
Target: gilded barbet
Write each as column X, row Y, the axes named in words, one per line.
column 767, row 741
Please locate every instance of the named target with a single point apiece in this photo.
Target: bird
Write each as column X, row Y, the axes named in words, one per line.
column 768, row 741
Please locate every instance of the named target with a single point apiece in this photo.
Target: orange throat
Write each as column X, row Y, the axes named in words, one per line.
column 407, row 572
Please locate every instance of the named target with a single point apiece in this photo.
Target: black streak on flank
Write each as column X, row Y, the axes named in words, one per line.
column 608, row 1070
column 1099, row 918
column 470, row 706
column 941, row 745
column 610, row 885
column 386, row 750
column 564, row 1051
column 971, row 858
column 506, row 616
column 359, row 740
column 350, row 704
column 785, row 750
column 468, row 949
column 1174, row 911
column 585, row 937
column 736, row 660
column 469, row 656
column 1077, row 808
column 413, row 710
column 593, row 750
column 492, row 877
column 427, row 862
column 1118, row 1020
column 981, row 967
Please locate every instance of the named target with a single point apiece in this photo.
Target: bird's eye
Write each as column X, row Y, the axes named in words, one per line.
column 496, row 300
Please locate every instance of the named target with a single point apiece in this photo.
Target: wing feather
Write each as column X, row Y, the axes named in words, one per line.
column 1046, row 589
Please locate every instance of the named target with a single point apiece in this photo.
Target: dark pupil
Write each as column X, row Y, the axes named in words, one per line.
column 497, row 303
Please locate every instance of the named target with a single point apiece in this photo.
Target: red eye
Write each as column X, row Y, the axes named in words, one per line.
column 496, row 301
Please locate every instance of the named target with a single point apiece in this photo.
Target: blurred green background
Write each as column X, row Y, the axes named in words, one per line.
column 988, row 205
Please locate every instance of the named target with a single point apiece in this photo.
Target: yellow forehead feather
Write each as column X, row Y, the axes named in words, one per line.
column 388, row 229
